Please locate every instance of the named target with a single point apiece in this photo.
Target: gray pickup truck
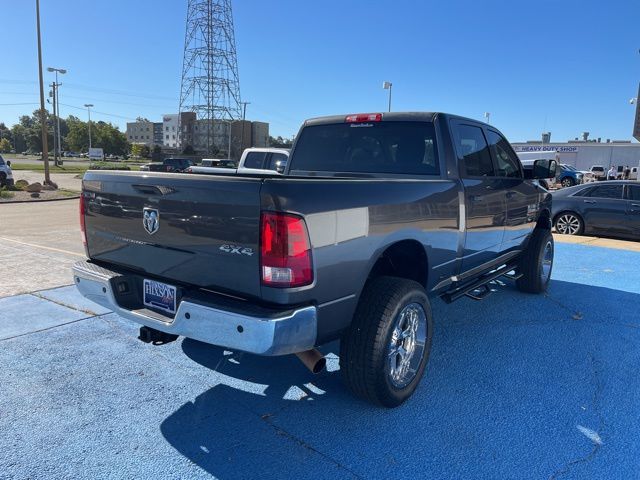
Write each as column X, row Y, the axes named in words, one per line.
column 375, row 215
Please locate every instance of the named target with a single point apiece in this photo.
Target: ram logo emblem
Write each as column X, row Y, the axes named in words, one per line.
column 151, row 220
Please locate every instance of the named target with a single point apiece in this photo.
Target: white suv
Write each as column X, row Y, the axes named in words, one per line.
column 6, row 175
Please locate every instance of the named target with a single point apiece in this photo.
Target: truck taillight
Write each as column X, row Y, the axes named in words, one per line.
column 363, row 117
column 83, row 228
column 285, row 251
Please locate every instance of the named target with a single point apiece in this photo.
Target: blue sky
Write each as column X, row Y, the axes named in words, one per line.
column 567, row 66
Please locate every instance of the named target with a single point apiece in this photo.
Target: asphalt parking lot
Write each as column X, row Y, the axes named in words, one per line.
column 518, row 386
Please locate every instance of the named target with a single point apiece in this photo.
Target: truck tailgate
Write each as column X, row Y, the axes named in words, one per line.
column 187, row 229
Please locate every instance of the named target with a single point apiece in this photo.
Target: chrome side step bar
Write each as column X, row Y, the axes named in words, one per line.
column 479, row 288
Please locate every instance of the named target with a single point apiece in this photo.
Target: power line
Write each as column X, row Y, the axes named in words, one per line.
column 96, row 111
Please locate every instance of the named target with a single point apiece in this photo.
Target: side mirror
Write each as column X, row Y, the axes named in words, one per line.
column 280, row 166
column 544, row 169
column 8, row 163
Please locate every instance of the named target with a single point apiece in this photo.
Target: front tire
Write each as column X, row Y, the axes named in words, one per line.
column 384, row 353
column 536, row 263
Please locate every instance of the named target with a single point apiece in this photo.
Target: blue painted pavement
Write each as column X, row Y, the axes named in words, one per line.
column 518, row 386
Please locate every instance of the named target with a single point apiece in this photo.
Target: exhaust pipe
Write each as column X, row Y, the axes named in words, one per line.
column 313, row 360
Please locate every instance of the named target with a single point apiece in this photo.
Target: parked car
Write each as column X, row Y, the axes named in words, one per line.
column 634, row 173
column 175, row 165
column 569, row 176
column 253, row 160
column 6, row 175
column 610, row 209
column 347, row 244
column 598, row 172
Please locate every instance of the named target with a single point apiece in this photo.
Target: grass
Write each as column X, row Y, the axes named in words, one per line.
column 39, row 167
column 68, row 193
column 5, row 194
column 65, row 168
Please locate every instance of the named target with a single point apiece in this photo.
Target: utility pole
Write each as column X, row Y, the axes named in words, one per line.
column 244, row 115
column 43, row 115
column 56, row 108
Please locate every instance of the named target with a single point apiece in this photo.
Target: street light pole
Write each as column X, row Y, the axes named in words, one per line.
column 43, row 116
column 388, row 86
column 88, row 107
column 487, row 115
column 52, row 94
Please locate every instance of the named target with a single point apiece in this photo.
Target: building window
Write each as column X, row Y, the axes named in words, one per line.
column 174, row 137
column 167, row 137
column 166, row 129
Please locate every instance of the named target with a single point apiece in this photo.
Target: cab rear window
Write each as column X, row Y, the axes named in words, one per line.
column 368, row 147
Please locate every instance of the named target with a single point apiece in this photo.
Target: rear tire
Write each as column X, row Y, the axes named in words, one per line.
column 569, row 223
column 384, row 353
column 536, row 263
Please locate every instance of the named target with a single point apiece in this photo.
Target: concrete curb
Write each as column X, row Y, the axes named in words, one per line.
column 41, row 201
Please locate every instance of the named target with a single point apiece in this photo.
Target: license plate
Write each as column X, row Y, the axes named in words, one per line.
column 160, row 295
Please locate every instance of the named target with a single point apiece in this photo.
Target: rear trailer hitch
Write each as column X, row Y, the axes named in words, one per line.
column 156, row 337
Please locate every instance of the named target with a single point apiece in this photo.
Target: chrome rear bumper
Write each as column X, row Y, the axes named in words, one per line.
column 270, row 333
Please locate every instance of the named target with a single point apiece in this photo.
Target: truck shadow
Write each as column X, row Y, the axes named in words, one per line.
column 501, row 372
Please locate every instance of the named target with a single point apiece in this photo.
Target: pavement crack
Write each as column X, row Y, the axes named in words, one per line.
column 595, row 401
column 62, row 304
column 303, row 444
column 48, row 328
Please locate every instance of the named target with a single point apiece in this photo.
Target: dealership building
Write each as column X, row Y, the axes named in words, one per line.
column 582, row 154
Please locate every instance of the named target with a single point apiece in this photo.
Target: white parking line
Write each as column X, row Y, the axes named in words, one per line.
column 43, row 247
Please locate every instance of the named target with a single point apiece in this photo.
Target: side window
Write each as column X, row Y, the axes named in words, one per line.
column 472, row 147
column 507, row 165
column 606, row 191
column 634, row 192
column 254, row 159
column 585, row 192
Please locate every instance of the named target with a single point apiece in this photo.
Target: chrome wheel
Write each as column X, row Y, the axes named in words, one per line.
column 407, row 345
column 547, row 262
column 568, row 224
column 567, row 182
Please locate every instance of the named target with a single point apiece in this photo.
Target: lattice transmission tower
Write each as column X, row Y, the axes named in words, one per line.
column 210, row 85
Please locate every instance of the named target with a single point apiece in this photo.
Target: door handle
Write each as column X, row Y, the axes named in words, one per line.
column 589, row 201
column 476, row 198
column 510, row 195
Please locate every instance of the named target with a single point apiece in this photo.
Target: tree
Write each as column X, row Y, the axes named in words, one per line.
column 188, row 150
column 77, row 138
column 5, row 145
column 156, row 154
column 19, row 137
column 280, row 142
column 140, row 150
column 5, row 132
